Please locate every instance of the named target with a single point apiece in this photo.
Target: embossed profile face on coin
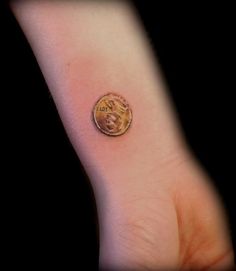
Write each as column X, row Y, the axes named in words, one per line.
column 112, row 114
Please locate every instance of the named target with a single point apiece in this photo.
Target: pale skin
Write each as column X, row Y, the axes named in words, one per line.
column 157, row 208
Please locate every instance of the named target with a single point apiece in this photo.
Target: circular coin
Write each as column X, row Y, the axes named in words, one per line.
column 112, row 114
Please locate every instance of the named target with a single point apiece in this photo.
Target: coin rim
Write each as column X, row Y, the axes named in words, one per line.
column 97, row 124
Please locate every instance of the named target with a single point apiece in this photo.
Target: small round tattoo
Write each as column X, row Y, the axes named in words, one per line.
column 112, row 114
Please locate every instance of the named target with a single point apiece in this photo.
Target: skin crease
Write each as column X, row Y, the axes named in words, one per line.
column 157, row 209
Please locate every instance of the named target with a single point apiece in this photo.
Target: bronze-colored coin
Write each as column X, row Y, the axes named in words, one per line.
column 112, row 114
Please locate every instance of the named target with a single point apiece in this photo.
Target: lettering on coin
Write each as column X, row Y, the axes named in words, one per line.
column 112, row 114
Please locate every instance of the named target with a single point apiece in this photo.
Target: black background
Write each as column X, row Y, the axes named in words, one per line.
column 48, row 202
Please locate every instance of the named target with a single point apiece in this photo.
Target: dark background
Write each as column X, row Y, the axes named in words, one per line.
column 48, row 202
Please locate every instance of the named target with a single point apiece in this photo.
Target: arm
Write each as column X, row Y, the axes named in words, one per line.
column 86, row 50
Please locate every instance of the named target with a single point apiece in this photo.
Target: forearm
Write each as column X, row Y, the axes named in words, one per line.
column 86, row 50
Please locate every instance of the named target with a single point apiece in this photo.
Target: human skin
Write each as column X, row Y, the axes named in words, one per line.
column 157, row 208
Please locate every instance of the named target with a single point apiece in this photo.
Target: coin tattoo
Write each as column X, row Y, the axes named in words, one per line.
column 112, row 114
